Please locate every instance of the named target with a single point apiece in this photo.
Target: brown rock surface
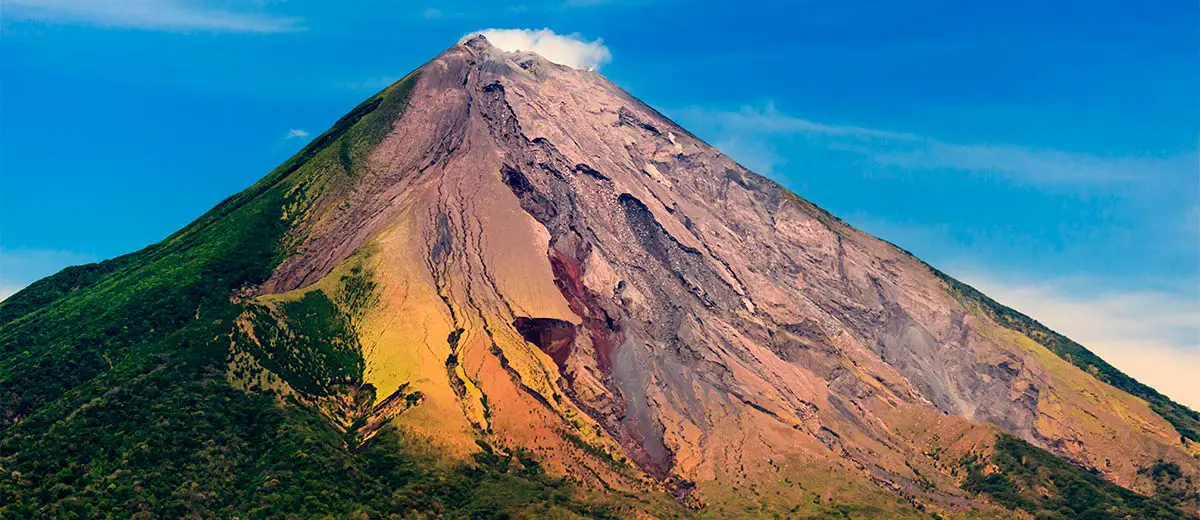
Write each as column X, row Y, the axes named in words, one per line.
column 563, row 268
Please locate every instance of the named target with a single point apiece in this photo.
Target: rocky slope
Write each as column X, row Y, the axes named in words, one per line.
column 503, row 254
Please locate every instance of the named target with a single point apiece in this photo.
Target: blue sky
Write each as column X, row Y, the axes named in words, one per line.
column 1043, row 151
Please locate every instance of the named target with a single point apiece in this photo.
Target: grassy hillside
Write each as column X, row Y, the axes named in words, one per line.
column 1021, row 476
column 163, row 435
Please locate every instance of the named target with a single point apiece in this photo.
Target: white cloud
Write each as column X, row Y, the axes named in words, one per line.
column 432, row 13
column 159, row 15
column 1153, row 336
column 570, row 50
column 912, row 151
column 296, row 133
column 21, row 267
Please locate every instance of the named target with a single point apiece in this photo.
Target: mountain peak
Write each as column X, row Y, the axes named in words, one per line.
column 695, row 300
column 477, row 42
column 525, row 45
column 509, row 258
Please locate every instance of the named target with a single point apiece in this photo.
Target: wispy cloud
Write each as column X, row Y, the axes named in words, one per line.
column 917, row 152
column 158, row 15
column 296, row 133
column 1151, row 335
column 21, row 267
column 571, row 50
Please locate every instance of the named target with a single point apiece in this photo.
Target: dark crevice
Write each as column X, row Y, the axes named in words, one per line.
column 590, row 172
column 554, row 337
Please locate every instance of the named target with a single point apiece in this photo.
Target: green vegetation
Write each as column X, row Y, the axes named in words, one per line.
column 1185, row 420
column 307, row 342
column 595, row 451
column 1026, row 477
column 311, row 342
column 164, row 436
column 136, row 309
column 1172, row 485
column 115, row 403
column 48, row 290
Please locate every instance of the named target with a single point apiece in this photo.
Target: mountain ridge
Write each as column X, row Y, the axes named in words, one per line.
column 477, row 124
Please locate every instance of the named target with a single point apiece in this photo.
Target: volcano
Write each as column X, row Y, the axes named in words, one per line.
column 504, row 287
